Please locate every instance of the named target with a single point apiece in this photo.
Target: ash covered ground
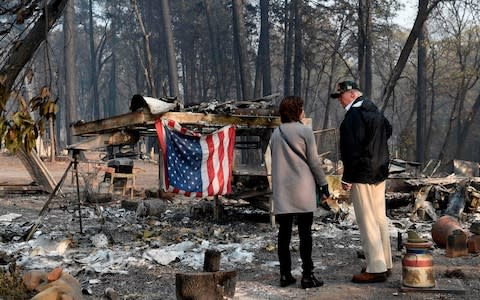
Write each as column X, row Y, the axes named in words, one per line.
column 138, row 255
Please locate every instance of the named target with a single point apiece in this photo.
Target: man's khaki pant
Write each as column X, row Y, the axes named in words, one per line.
column 369, row 204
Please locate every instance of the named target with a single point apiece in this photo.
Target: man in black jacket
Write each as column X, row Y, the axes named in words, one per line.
column 364, row 133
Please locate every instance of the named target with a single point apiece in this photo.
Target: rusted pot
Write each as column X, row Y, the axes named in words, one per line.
column 444, row 227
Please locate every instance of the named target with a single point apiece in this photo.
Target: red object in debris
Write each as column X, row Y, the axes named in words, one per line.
column 444, row 227
column 457, row 244
column 474, row 243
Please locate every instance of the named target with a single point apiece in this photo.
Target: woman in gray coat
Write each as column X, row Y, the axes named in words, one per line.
column 296, row 171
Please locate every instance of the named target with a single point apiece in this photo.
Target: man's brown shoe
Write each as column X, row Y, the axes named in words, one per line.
column 388, row 273
column 369, row 277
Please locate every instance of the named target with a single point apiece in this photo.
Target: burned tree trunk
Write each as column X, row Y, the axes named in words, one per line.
column 207, row 285
column 37, row 170
column 240, row 36
column 25, row 49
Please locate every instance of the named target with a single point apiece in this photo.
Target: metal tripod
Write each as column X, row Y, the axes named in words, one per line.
column 74, row 164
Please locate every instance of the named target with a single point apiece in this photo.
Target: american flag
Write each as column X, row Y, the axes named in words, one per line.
column 195, row 164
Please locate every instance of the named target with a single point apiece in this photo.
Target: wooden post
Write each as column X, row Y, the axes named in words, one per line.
column 216, row 208
column 211, row 262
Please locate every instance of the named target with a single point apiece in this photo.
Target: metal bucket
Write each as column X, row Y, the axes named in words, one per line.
column 417, row 268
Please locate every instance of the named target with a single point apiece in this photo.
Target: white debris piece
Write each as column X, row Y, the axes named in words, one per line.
column 158, row 106
column 99, row 240
column 106, row 261
column 9, row 217
column 43, row 246
column 350, row 218
column 168, row 254
column 240, row 255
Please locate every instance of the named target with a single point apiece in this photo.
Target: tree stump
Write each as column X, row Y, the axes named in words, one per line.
column 211, row 284
column 206, row 285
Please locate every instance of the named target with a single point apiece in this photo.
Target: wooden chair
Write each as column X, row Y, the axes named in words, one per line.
column 129, row 183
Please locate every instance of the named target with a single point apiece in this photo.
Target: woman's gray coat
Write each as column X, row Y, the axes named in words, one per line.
column 293, row 180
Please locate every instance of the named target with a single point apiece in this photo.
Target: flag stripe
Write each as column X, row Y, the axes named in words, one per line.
column 163, row 149
column 231, row 149
column 210, row 167
column 225, row 163
column 221, row 160
column 216, row 162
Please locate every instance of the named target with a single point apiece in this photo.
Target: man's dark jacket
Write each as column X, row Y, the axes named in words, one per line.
column 364, row 133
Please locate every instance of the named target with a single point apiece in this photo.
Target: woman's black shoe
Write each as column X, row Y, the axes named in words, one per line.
column 310, row 281
column 286, row 280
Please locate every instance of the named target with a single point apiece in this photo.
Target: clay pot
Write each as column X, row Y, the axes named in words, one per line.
column 444, row 227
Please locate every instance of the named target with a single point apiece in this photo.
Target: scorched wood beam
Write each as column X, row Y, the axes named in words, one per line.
column 134, row 120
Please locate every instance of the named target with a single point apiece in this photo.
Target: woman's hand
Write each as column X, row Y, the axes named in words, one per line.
column 325, row 192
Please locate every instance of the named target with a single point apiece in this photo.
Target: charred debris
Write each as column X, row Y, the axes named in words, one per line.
column 437, row 189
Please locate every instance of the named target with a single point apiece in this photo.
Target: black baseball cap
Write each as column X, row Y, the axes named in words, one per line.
column 343, row 87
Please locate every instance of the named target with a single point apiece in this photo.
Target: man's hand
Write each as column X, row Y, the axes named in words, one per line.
column 346, row 186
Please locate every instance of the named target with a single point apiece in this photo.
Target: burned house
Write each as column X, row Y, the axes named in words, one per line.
column 254, row 122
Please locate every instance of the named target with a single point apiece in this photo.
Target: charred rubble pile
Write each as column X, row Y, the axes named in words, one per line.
column 422, row 199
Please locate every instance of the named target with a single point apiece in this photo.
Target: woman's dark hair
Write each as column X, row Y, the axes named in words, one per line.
column 291, row 109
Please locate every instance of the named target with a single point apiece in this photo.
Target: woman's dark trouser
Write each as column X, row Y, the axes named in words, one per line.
column 304, row 222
